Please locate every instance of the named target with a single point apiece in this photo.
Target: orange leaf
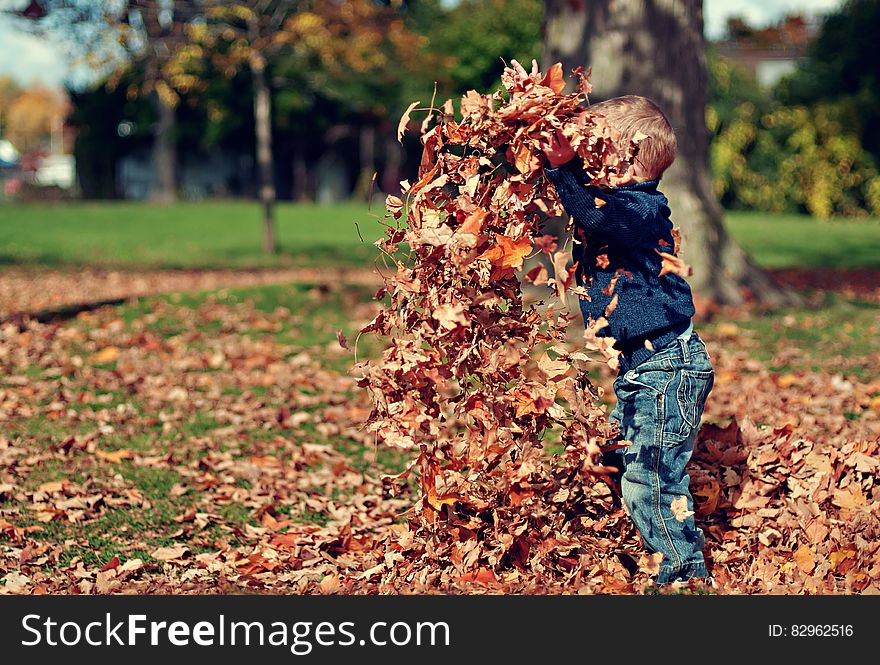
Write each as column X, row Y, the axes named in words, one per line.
column 114, row 457
column 480, row 575
column 473, row 223
column 673, row 264
column 106, row 355
column 804, row 557
column 554, row 78
column 508, row 253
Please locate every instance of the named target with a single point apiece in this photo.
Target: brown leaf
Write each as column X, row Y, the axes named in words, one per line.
column 174, row 553
column 673, row 264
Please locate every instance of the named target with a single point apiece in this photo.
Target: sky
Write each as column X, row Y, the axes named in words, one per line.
column 30, row 59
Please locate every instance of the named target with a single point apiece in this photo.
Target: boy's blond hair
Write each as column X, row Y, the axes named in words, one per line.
column 632, row 114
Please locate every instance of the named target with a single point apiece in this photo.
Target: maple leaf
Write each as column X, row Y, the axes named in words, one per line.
column 562, row 275
column 508, row 252
column 554, row 79
column 473, row 223
column 538, row 275
column 393, row 204
column 450, row 316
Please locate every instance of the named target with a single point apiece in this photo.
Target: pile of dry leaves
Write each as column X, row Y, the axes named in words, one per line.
column 473, row 378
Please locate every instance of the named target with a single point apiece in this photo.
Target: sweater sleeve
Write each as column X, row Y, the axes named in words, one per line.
column 623, row 218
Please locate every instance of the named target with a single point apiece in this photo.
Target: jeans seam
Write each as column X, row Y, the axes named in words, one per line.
column 655, row 477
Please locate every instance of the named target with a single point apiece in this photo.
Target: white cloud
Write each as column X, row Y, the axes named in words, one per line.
column 759, row 12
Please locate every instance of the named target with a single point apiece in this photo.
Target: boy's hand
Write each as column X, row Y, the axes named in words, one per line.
column 558, row 150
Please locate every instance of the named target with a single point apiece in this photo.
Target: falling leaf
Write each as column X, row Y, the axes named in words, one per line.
column 673, row 264
column 555, row 79
column 393, row 204
column 450, row 315
column 680, row 508
column 508, row 252
column 404, row 121
column 340, row 337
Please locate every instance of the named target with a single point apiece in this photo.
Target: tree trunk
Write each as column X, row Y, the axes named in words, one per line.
column 656, row 48
column 300, row 189
column 391, row 174
column 367, row 152
column 265, row 162
column 164, row 189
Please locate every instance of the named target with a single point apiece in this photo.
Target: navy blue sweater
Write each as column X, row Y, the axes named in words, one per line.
column 625, row 235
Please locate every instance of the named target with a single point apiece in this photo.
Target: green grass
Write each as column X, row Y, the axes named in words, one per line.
column 185, row 235
column 228, row 234
column 785, row 241
column 833, row 332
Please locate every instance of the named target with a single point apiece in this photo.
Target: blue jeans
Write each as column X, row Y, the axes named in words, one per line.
column 659, row 406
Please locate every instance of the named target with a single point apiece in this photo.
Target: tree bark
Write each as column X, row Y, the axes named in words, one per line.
column 391, row 173
column 656, row 48
column 300, row 189
column 265, row 161
column 164, row 189
column 367, row 153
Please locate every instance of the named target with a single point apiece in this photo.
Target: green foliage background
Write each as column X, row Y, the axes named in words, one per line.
column 812, row 144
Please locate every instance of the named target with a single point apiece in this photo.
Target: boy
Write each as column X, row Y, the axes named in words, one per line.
column 665, row 374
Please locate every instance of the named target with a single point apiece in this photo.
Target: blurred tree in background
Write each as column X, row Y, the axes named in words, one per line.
column 812, row 144
column 9, row 90
column 113, row 37
column 31, row 117
column 294, row 89
column 842, row 70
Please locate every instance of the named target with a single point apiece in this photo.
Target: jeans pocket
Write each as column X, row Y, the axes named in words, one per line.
column 693, row 389
column 650, row 381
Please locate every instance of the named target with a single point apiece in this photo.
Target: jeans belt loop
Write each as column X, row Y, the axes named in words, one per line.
column 685, row 351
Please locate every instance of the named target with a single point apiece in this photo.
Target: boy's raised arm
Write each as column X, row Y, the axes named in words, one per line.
column 615, row 215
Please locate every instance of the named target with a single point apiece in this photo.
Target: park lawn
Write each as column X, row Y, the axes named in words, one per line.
column 231, row 416
column 198, row 421
column 217, row 234
column 798, row 241
column 227, row 234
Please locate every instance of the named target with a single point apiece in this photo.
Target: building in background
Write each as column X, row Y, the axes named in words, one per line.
column 769, row 53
